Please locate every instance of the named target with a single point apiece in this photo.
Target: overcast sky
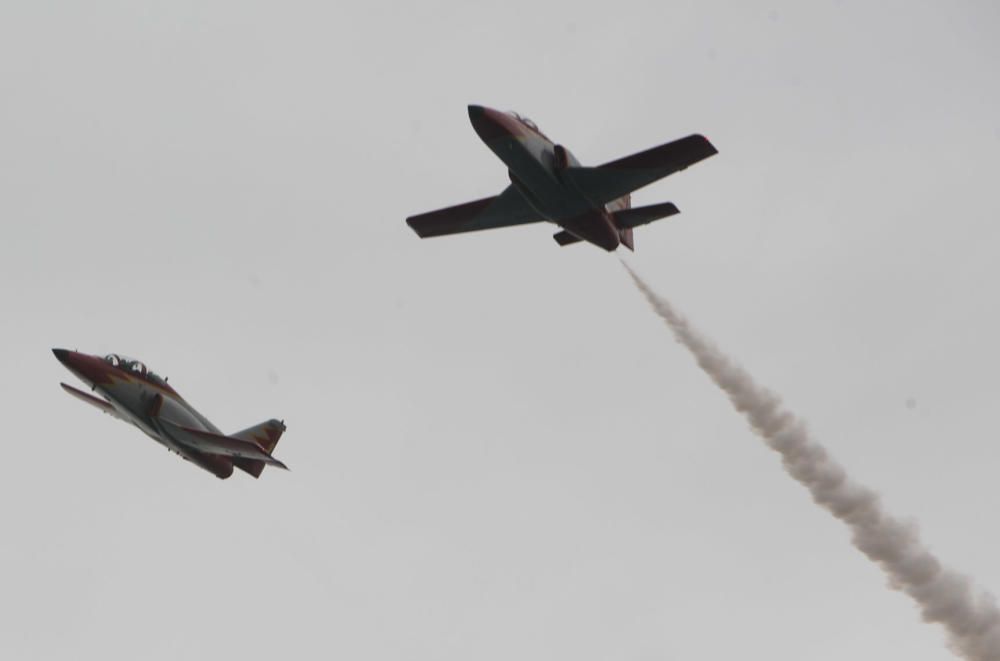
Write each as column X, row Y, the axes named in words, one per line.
column 497, row 451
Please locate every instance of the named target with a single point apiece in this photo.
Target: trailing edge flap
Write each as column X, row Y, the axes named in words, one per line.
column 643, row 215
column 613, row 180
column 226, row 446
column 96, row 402
column 506, row 209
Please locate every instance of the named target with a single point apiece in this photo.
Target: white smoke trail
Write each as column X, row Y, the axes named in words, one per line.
column 970, row 618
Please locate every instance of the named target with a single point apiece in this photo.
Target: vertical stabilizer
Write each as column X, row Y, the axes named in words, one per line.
column 266, row 435
column 625, row 234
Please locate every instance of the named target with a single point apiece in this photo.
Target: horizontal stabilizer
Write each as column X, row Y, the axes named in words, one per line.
column 643, row 215
column 226, row 446
column 613, row 180
column 96, row 402
column 506, row 209
column 564, row 238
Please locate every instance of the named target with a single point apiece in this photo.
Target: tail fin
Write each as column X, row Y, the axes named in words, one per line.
column 621, row 204
column 266, row 435
column 625, row 236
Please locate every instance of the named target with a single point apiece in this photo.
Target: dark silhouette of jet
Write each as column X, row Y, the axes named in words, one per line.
column 590, row 204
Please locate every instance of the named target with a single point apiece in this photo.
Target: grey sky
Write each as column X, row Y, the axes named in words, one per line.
column 496, row 451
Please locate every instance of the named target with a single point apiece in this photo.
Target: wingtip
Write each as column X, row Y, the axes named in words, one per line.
column 411, row 222
column 708, row 143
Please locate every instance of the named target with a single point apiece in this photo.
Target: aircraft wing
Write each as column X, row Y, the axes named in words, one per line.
column 618, row 178
column 96, row 402
column 506, row 209
column 210, row 443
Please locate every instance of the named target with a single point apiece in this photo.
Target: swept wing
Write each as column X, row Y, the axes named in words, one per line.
column 96, row 402
column 613, row 180
column 506, row 209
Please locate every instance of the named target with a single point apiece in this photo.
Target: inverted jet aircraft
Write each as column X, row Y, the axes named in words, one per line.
column 132, row 393
column 592, row 204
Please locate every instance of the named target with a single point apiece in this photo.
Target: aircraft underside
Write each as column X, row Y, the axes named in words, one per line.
column 547, row 183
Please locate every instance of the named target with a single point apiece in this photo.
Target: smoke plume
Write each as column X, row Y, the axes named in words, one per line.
column 971, row 618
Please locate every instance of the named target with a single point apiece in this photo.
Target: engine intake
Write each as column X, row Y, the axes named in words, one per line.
column 562, row 158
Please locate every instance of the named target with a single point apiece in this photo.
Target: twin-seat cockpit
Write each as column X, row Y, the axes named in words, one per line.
column 524, row 120
column 134, row 366
column 527, row 122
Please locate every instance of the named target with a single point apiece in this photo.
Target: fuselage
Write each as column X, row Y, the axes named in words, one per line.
column 534, row 165
column 141, row 397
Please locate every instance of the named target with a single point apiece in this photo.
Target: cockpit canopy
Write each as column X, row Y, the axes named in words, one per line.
column 524, row 120
column 527, row 122
column 132, row 365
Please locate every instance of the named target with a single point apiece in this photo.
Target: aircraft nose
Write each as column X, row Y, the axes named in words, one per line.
column 62, row 355
column 73, row 361
column 491, row 125
column 89, row 368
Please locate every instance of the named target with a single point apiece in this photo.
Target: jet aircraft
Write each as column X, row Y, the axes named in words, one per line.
column 592, row 204
column 132, row 393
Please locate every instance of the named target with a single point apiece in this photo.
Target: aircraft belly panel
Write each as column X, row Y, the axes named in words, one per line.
column 179, row 414
column 595, row 227
column 540, row 186
column 221, row 467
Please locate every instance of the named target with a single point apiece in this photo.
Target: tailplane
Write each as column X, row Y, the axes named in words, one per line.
column 266, row 435
column 564, row 238
column 643, row 215
column 627, row 219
